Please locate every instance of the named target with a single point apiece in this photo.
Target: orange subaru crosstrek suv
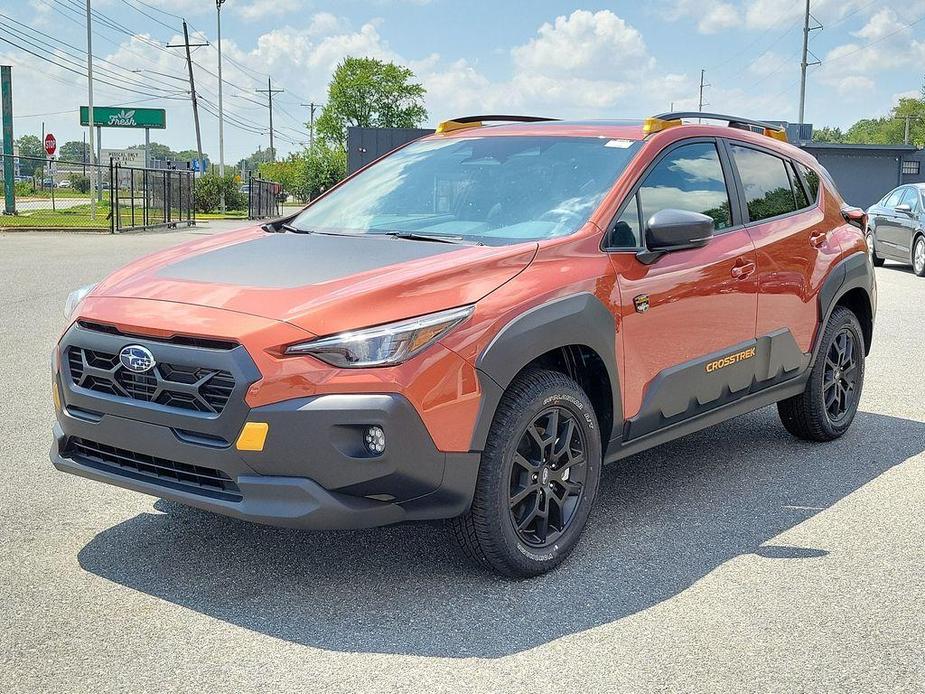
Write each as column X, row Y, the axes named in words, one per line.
column 470, row 327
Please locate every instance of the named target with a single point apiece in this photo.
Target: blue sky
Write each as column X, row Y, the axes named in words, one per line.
column 568, row 59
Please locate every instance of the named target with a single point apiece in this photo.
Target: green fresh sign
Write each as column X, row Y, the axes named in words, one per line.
column 116, row 117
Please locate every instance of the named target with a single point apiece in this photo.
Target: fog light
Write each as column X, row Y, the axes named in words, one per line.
column 375, row 440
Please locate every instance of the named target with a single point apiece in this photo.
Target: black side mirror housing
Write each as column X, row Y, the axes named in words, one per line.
column 675, row 230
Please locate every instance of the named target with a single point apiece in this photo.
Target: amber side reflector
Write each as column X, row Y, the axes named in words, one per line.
column 776, row 134
column 253, row 436
column 654, row 125
column 449, row 126
column 55, row 395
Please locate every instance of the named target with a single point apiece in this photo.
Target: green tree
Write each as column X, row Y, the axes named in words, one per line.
column 30, row 146
column 891, row 130
column 827, row 134
column 189, row 155
column 75, row 150
column 308, row 174
column 253, row 162
column 157, row 151
column 367, row 92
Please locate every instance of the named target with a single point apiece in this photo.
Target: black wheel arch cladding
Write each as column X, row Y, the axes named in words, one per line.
column 852, row 276
column 580, row 320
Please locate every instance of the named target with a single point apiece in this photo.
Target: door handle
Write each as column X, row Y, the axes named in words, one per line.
column 817, row 238
column 742, row 269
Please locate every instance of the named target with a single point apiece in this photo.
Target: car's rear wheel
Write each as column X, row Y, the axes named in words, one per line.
column 872, row 250
column 918, row 256
column 538, row 477
column 828, row 404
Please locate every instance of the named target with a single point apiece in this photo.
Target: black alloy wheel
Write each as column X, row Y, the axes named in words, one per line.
column 547, row 477
column 829, row 401
column 538, row 476
column 839, row 383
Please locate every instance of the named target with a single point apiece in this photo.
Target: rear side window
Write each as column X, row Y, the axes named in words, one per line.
column 798, row 190
column 811, row 178
column 689, row 178
column 768, row 191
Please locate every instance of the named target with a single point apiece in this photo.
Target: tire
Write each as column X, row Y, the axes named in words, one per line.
column 827, row 406
column 561, row 478
column 918, row 256
column 872, row 249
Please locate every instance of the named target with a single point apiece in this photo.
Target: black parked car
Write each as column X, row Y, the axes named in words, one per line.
column 896, row 227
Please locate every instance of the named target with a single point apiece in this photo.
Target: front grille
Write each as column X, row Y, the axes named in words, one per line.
column 169, row 473
column 196, row 388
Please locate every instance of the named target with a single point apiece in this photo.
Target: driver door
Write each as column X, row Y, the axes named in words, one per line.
column 689, row 308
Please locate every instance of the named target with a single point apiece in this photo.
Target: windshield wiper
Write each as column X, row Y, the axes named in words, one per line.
column 438, row 238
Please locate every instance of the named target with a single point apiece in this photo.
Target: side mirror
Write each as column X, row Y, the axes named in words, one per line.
column 675, row 230
column 905, row 209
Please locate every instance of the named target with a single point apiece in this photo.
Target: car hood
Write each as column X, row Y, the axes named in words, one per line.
column 321, row 283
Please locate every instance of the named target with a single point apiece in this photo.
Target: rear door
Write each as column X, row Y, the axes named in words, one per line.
column 905, row 223
column 889, row 226
column 787, row 223
column 689, row 307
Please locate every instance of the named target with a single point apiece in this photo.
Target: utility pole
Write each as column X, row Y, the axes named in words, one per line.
column 90, row 122
column 311, row 124
column 221, row 112
column 906, row 135
column 269, row 91
column 805, row 62
column 703, row 84
column 192, row 90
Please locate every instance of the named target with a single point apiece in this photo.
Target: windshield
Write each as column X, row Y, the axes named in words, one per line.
column 492, row 190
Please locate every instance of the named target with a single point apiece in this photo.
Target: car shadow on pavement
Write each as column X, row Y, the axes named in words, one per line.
column 664, row 519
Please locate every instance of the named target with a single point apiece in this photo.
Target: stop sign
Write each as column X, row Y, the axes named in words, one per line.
column 50, row 144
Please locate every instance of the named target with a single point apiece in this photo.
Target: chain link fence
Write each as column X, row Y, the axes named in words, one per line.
column 54, row 194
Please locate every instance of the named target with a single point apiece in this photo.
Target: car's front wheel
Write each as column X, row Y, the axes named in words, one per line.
column 538, row 477
column 918, row 256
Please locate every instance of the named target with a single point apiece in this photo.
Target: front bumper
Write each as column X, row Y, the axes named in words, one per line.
column 407, row 483
column 314, row 470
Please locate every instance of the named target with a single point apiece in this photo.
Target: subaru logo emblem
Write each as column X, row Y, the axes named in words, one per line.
column 136, row 358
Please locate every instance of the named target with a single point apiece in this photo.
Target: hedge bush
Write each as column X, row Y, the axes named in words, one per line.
column 208, row 192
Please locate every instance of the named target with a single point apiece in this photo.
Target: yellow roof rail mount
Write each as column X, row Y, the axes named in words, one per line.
column 448, row 126
column 668, row 120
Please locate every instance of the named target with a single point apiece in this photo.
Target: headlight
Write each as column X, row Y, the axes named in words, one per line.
column 383, row 345
column 74, row 298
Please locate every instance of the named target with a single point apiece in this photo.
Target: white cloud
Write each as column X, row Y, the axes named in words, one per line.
column 594, row 44
column 883, row 24
column 718, row 17
column 262, row 9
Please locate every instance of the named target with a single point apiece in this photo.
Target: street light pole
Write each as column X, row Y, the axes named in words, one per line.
column 221, row 112
column 93, row 173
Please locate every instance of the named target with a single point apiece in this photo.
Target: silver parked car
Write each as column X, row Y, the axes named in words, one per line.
column 896, row 227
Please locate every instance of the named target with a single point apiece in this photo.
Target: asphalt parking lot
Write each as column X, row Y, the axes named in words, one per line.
column 736, row 559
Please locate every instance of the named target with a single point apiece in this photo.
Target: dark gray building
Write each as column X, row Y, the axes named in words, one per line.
column 368, row 144
column 864, row 173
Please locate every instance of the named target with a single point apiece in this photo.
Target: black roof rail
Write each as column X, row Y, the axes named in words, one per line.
column 662, row 120
column 475, row 121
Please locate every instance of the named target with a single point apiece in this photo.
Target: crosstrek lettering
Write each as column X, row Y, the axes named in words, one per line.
column 731, row 359
column 471, row 327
